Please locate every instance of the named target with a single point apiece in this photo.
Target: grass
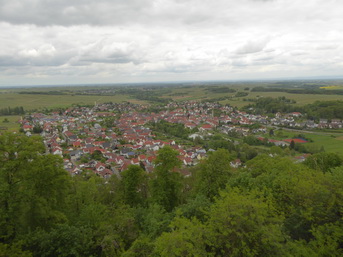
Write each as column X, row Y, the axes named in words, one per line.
column 38, row 102
column 330, row 143
column 12, row 125
column 301, row 99
column 178, row 93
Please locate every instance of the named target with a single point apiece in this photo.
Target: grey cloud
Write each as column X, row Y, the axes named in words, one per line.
column 121, row 12
column 151, row 38
column 65, row 12
column 252, row 47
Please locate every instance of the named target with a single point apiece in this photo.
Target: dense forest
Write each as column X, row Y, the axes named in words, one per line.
column 271, row 207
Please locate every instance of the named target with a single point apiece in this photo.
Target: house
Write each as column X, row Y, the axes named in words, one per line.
column 187, row 161
column 76, row 154
column 57, row 151
column 206, row 127
column 27, row 128
column 100, row 166
column 236, row 163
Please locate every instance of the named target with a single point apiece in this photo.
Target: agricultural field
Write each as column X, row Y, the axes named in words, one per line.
column 331, row 143
column 9, row 123
column 71, row 95
column 38, row 102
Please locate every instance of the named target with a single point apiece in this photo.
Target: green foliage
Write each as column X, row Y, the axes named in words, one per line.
column 325, row 109
column 171, row 129
column 186, row 239
column 18, row 110
column 213, row 174
column 37, row 129
column 166, row 184
column 323, row 161
column 153, row 220
column 245, row 225
column 13, row 250
column 32, row 186
column 273, row 105
column 217, row 143
column 97, row 155
column 220, row 90
column 271, row 207
column 142, row 247
column 134, row 186
column 63, row 240
column 241, row 94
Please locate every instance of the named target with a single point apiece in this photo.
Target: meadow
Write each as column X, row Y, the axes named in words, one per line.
column 11, row 125
column 39, row 102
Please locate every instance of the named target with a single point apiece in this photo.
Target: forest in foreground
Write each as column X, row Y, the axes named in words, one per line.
column 271, row 207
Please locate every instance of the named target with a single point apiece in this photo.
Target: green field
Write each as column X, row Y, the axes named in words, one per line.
column 200, row 93
column 331, row 143
column 32, row 101
column 11, row 98
column 12, row 125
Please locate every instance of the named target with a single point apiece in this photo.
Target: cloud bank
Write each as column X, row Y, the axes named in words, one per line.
column 103, row 41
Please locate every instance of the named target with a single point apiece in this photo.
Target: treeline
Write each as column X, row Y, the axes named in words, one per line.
column 18, row 110
column 271, row 207
column 42, row 93
column 265, row 105
column 316, row 91
column 325, row 110
column 315, row 111
column 214, row 89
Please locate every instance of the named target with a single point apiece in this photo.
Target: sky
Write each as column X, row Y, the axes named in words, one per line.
column 128, row 41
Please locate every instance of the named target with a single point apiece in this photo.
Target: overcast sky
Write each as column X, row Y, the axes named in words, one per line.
column 115, row 41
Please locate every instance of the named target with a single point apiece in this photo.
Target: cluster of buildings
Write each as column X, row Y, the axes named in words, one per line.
column 107, row 138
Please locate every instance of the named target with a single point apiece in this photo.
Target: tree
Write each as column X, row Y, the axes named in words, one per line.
column 134, row 185
column 63, row 240
column 245, row 224
column 188, row 238
column 324, row 161
column 213, row 173
column 165, row 184
column 271, row 132
column 33, row 186
column 37, row 129
column 292, row 145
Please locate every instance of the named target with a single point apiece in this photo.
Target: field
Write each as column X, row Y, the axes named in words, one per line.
column 12, row 98
column 38, row 102
column 11, row 125
column 331, row 143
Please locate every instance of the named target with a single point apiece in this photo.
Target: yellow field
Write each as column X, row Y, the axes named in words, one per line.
column 332, row 87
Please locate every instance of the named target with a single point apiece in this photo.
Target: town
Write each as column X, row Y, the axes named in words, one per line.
column 106, row 138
